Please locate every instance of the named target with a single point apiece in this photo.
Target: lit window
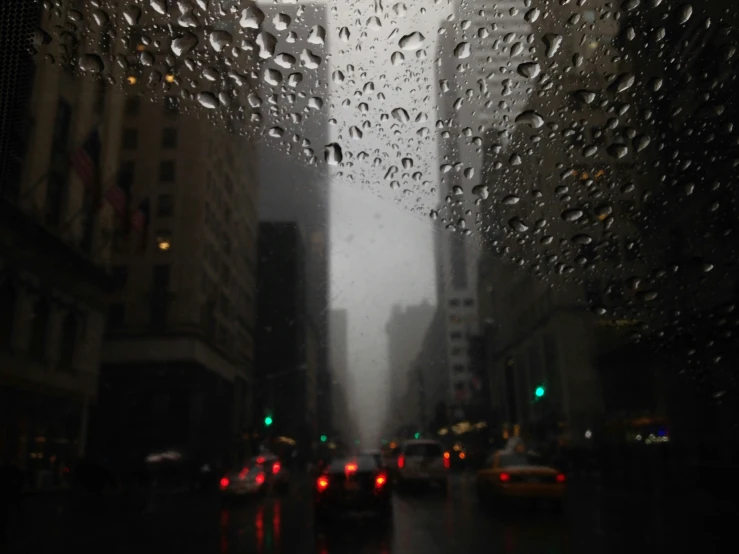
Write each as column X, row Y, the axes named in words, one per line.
column 164, row 240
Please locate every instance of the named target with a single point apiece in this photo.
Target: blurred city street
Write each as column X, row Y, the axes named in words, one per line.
column 424, row 521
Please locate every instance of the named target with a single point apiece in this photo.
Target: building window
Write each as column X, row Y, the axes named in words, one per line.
column 120, row 277
column 166, row 171
column 68, row 343
column 116, row 316
column 159, row 298
column 165, row 205
column 458, row 368
column 130, row 139
column 39, row 330
column 171, row 105
column 469, row 302
column 126, row 175
column 7, row 314
column 169, row 137
column 454, row 302
column 133, row 105
column 456, row 336
column 164, row 240
column 456, row 351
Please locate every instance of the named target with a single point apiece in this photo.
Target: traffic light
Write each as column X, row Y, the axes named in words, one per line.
column 324, row 438
column 417, row 436
column 268, row 421
column 540, row 391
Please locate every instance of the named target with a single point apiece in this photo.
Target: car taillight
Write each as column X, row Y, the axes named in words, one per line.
column 259, row 478
column 561, row 478
column 322, row 483
column 505, row 477
column 380, row 480
column 224, row 482
column 401, row 461
column 276, row 468
column 260, row 459
column 447, row 460
column 350, row 468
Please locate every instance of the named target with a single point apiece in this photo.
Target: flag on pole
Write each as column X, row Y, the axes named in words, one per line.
column 86, row 163
column 140, row 221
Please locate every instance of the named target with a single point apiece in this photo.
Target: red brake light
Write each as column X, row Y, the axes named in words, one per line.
column 561, row 478
column 276, row 468
column 224, row 482
column 260, row 459
column 259, row 478
column 447, row 460
column 401, row 461
column 380, row 480
column 505, row 477
column 350, row 468
column 322, row 483
column 243, row 473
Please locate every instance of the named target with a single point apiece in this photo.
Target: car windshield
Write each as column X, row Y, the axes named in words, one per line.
column 512, row 459
column 318, row 228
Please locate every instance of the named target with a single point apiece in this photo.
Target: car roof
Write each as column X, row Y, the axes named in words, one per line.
column 422, row 441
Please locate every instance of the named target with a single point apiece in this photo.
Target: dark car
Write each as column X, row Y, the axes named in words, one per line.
column 352, row 485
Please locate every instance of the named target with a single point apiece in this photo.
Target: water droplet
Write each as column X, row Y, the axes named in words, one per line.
column 618, row 150
column 517, row 225
column 397, row 58
column 572, row 214
column 344, row 34
column 582, row 238
column 481, row 191
column 434, row 215
column 254, row 100
column 276, row 132
column 462, row 50
column 529, row 69
column 515, row 159
column 630, row 5
column 266, row 43
column 184, row 43
column 552, row 41
column 332, row 154
column 309, row 59
column 337, row 77
column 272, row 76
column 285, row 60
column 414, row 41
column 207, row 100
column 251, row 17
column 530, row 118
column 585, row 96
column 315, row 103
column 532, row 15
column 281, row 21
column 511, row 200
column 401, row 115
column 355, row 132
column 374, row 23
column 159, row 6
column 623, row 82
column 317, row 35
column 91, row 63
column 294, row 79
column 220, row 40
column 685, row 12
column 132, row 14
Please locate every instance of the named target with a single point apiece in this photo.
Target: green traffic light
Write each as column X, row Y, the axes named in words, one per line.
column 417, row 436
column 324, row 438
column 268, row 421
column 539, row 392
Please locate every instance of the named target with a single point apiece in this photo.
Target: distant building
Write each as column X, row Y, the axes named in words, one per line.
column 293, row 188
column 177, row 362
column 54, row 275
column 405, row 331
column 343, row 395
column 286, row 353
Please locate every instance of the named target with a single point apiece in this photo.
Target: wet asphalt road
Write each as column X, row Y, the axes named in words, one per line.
column 424, row 522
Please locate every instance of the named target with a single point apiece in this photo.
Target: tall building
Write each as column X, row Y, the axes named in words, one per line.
column 405, row 332
column 286, row 353
column 343, row 393
column 178, row 358
column 54, row 273
column 293, row 190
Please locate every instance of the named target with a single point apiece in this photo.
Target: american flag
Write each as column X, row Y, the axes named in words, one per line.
column 140, row 218
column 86, row 163
column 116, row 197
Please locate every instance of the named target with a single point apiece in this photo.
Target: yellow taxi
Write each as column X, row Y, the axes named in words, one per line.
column 514, row 474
